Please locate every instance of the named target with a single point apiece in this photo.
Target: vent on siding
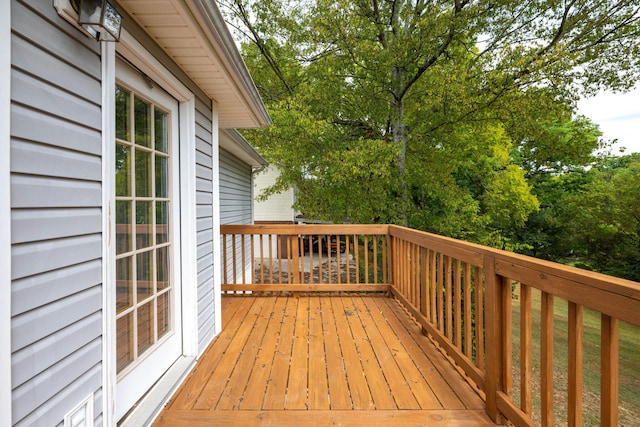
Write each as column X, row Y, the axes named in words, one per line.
column 81, row 415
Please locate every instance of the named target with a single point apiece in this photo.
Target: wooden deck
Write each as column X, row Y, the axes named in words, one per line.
column 348, row 360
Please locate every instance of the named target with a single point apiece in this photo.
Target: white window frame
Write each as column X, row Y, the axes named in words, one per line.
column 109, row 234
column 136, row 54
column 5, row 209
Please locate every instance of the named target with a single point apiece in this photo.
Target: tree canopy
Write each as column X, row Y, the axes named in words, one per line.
column 430, row 113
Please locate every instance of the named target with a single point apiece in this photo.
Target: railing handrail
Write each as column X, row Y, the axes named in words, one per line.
column 610, row 295
column 300, row 229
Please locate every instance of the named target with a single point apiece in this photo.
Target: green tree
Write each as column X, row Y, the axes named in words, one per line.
column 384, row 107
column 557, row 145
column 606, row 218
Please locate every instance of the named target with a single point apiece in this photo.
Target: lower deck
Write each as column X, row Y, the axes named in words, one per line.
column 322, row 360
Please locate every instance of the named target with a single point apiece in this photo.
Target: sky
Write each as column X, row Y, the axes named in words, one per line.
column 618, row 116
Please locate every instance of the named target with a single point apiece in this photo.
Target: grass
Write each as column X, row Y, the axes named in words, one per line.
column 629, row 378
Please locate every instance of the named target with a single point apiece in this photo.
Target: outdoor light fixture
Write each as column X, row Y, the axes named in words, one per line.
column 102, row 17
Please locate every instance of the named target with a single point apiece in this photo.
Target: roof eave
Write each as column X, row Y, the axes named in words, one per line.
column 232, row 141
column 210, row 19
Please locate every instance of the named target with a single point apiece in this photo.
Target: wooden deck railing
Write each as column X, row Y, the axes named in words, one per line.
column 305, row 257
column 463, row 295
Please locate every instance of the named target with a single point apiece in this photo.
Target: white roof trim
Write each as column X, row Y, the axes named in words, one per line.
column 194, row 34
column 236, row 144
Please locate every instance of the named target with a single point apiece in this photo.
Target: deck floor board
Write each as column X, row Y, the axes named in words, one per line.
column 467, row 395
column 320, row 360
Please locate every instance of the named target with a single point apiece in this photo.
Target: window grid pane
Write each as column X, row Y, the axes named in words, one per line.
column 143, row 242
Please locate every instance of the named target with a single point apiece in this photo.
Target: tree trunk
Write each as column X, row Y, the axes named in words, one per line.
column 400, row 138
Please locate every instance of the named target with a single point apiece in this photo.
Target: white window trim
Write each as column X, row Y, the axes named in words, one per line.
column 109, row 235
column 5, row 209
column 136, row 54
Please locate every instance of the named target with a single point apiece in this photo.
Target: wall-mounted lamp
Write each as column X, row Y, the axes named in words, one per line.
column 102, row 16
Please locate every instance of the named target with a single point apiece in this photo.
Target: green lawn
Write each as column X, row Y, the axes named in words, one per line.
column 629, row 364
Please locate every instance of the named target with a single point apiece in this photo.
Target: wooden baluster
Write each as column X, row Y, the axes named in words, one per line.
column 356, row 250
column 403, row 271
column 457, row 298
column 346, row 240
column 575, row 326
column 279, row 255
column 416, row 276
column 386, row 257
column 440, row 293
column 225, row 267
column 270, row 259
column 321, row 258
column 338, row 258
column 262, row 258
column 289, row 260
column 376, row 240
column 609, row 366
column 302, row 260
column 366, row 259
column 479, row 318
column 295, row 259
column 253, row 258
column 433, row 287
column 331, row 240
column 424, row 283
column 507, row 337
column 234, row 257
column 407, row 270
column 546, row 359
column 448, row 283
column 526, row 370
column 312, row 267
column 243, row 258
column 400, row 263
column 467, row 310
column 411, row 275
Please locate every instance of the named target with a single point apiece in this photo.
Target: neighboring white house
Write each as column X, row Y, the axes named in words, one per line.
column 115, row 174
column 278, row 208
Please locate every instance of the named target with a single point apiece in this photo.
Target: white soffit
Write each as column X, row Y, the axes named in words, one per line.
column 195, row 36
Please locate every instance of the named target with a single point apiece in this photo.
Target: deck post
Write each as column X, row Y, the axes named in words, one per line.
column 494, row 324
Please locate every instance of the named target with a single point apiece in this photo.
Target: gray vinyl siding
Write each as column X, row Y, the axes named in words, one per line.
column 56, row 211
column 204, row 225
column 236, row 202
column 56, row 216
column 236, row 205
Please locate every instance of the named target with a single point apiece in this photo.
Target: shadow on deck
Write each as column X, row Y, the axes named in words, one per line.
column 349, row 360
